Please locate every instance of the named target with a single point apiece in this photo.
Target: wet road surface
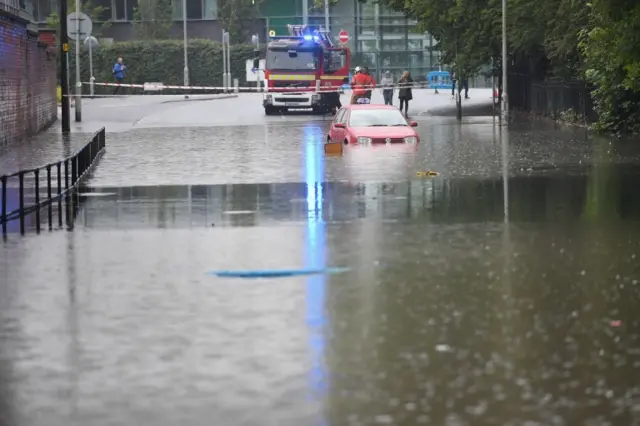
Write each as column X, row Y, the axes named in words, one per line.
column 461, row 306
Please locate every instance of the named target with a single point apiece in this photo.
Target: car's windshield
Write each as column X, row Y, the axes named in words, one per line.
column 281, row 60
column 376, row 117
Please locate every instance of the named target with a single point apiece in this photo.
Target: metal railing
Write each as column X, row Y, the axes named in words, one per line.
column 59, row 179
column 553, row 99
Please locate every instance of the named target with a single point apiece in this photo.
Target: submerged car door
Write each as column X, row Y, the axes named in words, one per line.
column 336, row 134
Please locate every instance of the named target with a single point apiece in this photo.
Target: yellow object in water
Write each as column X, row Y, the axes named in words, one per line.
column 333, row 148
column 428, row 173
column 59, row 94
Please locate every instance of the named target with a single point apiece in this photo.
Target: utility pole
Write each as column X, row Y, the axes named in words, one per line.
column 184, row 36
column 326, row 15
column 305, row 12
column 505, row 100
column 64, row 81
column 78, row 83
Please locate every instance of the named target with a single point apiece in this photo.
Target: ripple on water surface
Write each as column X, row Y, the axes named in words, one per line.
column 447, row 316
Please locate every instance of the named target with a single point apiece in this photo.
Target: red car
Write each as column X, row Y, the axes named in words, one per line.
column 372, row 124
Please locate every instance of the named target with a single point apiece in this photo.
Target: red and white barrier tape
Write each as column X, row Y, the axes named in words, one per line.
column 308, row 89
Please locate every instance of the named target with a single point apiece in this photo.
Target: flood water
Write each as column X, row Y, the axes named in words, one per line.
column 472, row 298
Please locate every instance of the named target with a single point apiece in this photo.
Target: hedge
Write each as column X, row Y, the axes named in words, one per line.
column 163, row 61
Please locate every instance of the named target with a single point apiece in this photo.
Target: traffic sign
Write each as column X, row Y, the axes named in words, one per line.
column 343, row 36
column 79, row 26
column 272, row 33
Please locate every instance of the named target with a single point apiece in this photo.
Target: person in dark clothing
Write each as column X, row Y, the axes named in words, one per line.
column 405, row 94
column 119, row 72
column 465, row 87
column 454, row 79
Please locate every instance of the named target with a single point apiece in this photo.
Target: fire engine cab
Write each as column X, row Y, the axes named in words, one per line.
column 304, row 70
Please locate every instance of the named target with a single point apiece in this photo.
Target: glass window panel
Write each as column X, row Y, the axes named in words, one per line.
column 414, row 44
column 394, row 60
column 367, row 9
column 177, row 9
column 194, row 9
column 368, row 60
column 120, row 10
column 367, row 46
column 394, row 44
column 130, row 5
column 210, row 9
column 45, row 8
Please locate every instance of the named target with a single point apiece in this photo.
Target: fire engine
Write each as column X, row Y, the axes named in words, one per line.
column 304, row 70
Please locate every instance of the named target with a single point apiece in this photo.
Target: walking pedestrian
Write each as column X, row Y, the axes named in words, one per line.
column 405, row 94
column 119, row 73
column 387, row 88
column 454, row 79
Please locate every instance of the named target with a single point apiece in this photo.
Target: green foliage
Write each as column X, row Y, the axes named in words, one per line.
column 561, row 39
column 162, row 61
column 240, row 18
column 612, row 63
column 153, row 19
column 97, row 13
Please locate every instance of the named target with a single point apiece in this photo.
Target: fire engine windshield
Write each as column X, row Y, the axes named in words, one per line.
column 284, row 60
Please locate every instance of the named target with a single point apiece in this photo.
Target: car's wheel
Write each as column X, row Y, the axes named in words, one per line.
column 269, row 110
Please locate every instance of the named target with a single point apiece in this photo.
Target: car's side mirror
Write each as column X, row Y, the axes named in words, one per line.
column 340, row 126
column 413, row 124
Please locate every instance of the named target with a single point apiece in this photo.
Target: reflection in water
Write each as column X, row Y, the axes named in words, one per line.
column 469, row 302
column 315, row 258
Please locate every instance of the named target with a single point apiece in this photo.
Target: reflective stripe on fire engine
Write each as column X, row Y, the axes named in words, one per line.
column 333, row 77
column 292, row 77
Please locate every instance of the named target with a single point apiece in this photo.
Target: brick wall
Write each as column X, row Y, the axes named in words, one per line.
column 27, row 81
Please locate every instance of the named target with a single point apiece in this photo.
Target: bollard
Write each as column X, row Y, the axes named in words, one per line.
column 236, row 86
column 78, row 102
column 91, row 87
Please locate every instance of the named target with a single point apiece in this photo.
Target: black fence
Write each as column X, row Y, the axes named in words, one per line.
column 27, row 192
column 569, row 101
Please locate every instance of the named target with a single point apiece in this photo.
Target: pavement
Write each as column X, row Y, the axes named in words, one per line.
column 502, row 291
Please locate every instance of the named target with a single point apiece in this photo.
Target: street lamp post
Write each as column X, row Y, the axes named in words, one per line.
column 256, row 41
column 305, row 12
column 78, row 83
column 326, row 15
column 184, row 35
column 505, row 100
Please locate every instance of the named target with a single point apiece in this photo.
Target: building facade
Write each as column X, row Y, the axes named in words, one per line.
column 380, row 39
column 27, row 75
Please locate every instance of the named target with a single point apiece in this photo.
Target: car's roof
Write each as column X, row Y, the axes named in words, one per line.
column 370, row 106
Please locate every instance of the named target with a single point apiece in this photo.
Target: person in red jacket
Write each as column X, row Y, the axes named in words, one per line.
column 359, row 83
column 371, row 84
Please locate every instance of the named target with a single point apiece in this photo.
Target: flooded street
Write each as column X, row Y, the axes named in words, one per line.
column 503, row 291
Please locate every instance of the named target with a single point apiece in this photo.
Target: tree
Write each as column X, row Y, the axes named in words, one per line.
column 97, row 13
column 612, row 63
column 239, row 18
column 153, row 19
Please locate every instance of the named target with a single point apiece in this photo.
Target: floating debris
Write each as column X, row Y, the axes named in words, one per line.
column 427, row 173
